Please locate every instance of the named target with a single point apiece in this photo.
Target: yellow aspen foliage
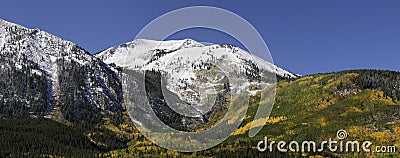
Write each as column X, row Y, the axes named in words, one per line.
column 259, row 122
column 384, row 136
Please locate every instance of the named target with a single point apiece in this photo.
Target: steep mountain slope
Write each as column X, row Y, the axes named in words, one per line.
column 43, row 75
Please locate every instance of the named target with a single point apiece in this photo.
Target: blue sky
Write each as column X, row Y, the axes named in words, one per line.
column 304, row 37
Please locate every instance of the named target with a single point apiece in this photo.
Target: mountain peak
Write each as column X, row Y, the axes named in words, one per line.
column 145, row 53
column 55, row 67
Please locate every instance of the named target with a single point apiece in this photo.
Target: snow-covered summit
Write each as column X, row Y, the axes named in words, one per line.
column 42, row 73
column 39, row 46
column 151, row 54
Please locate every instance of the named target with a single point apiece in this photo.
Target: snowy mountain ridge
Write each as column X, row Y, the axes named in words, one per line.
column 44, row 75
column 36, row 45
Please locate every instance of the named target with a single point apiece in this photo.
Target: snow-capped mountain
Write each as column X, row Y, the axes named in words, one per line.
column 46, row 76
column 180, row 59
column 145, row 53
column 43, row 75
column 196, row 73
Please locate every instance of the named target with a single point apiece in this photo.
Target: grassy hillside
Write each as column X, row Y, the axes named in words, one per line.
column 316, row 107
column 363, row 102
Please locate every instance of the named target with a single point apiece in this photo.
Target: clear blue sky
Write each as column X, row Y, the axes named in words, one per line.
column 304, row 37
